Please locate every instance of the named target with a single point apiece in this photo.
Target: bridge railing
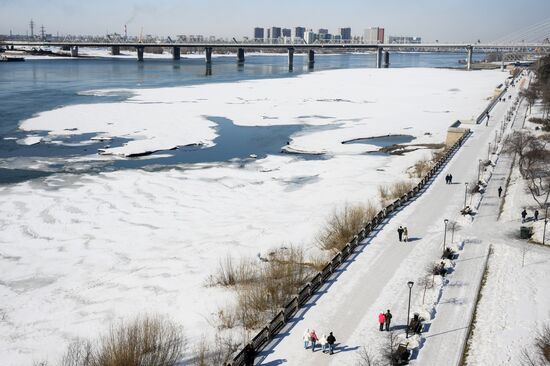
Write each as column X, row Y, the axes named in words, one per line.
column 308, row 290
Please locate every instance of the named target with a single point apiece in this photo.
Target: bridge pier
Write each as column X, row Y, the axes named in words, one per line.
column 469, row 58
column 139, row 54
column 386, row 59
column 379, row 57
column 74, row 51
column 240, row 55
column 208, row 55
column 115, row 50
column 12, row 47
column 311, row 58
column 176, row 52
column 290, row 59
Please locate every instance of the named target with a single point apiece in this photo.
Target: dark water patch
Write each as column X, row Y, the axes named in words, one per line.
column 382, row 141
column 11, row 176
column 233, row 142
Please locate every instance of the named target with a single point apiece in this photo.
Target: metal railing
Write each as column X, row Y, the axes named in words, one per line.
column 293, row 305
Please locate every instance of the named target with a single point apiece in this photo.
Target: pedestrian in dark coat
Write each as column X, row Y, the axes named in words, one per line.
column 249, row 355
column 499, row 191
column 388, row 317
column 536, row 215
column 400, row 233
column 523, row 215
column 450, row 179
column 331, row 340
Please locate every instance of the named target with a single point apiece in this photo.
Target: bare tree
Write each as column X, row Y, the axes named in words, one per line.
column 539, row 353
column 366, row 358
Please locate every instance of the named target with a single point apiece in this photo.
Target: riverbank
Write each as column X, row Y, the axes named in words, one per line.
column 89, row 249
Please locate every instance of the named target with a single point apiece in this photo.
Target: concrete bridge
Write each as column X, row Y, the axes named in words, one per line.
column 382, row 50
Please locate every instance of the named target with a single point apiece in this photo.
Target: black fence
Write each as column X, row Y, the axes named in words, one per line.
column 290, row 308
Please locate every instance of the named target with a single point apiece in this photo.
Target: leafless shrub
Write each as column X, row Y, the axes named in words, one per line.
column 453, row 226
column 343, row 225
column 230, row 274
column 427, row 281
column 366, row 358
column 79, row 353
column 318, row 262
column 276, row 281
column 146, row 341
column 539, row 354
column 220, row 352
column 389, row 352
column 421, row 168
column 394, row 191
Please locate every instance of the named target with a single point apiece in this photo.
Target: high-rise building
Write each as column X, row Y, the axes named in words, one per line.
column 380, row 35
column 286, row 32
column 258, row 33
column 309, row 37
column 268, row 33
column 322, row 34
column 373, row 35
column 345, row 33
column 299, row 32
column 275, row 32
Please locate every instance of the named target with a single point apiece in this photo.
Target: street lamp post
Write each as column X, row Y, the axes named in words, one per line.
column 489, row 152
column 445, row 235
column 410, row 284
column 465, row 193
column 545, row 222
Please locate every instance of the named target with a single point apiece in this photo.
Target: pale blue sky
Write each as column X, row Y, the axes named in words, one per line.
column 446, row 20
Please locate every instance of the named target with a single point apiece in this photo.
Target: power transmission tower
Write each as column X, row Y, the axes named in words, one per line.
column 43, row 32
column 32, row 28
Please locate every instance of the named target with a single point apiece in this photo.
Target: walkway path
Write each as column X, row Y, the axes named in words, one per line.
column 375, row 277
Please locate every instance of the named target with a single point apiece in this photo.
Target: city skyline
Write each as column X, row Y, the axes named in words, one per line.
column 429, row 19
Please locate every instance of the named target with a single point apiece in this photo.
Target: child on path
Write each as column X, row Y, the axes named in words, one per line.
column 306, row 338
column 323, row 342
column 381, row 320
column 499, row 191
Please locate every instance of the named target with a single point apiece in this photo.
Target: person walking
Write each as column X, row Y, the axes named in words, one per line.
column 523, row 215
column 381, row 320
column 313, row 339
column 400, row 232
column 249, row 355
column 306, row 339
column 323, row 343
column 536, row 215
column 388, row 317
column 330, row 341
column 450, row 179
column 499, row 192
column 405, row 234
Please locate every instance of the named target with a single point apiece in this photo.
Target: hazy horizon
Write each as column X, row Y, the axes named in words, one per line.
column 466, row 21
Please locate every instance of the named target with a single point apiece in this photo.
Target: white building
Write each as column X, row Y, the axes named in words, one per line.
column 370, row 35
column 309, row 37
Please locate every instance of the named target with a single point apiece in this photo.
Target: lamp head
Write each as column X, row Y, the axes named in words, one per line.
column 410, row 284
column 446, row 221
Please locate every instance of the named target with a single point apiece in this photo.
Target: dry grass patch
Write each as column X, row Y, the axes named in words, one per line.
column 343, row 225
column 146, row 341
column 390, row 193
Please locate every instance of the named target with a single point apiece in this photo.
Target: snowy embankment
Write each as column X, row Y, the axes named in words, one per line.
column 515, row 301
column 78, row 252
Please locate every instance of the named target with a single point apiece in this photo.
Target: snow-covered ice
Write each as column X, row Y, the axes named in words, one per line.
column 79, row 251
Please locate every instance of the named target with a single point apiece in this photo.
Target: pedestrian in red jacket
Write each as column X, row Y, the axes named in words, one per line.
column 381, row 320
